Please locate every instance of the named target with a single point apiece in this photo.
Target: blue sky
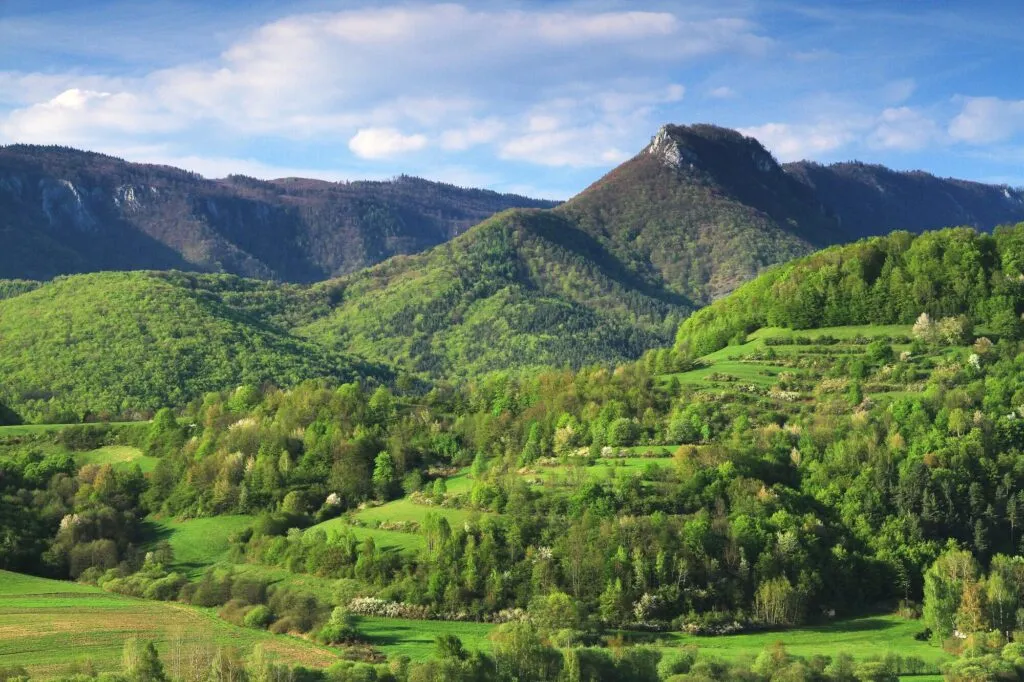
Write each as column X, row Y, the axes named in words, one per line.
column 532, row 97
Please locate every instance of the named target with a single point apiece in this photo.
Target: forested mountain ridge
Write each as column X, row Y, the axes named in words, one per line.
column 66, row 211
column 870, row 199
column 878, row 280
column 704, row 208
column 525, row 288
column 106, row 345
column 698, row 211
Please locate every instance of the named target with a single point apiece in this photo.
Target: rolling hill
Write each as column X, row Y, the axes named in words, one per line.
column 65, row 211
column 129, row 343
column 600, row 279
column 525, row 288
column 879, row 280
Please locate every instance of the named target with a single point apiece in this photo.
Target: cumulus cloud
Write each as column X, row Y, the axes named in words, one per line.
column 984, row 120
column 588, row 129
column 722, row 92
column 77, row 116
column 793, row 142
column 383, row 143
column 458, row 74
column 904, row 128
column 900, row 129
column 472, row 134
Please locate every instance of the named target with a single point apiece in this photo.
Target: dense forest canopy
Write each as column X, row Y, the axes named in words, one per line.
column 882, row 280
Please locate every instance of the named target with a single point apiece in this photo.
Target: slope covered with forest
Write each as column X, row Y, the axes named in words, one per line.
column 880, row 280
column 524, row 289
column 125, row 344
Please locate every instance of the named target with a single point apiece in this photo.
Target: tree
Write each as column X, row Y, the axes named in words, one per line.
column 925, row 329
column 383, row 475
column 776, row 602
column 141, row 662
column 554, row 612
column 971, row 615
column 340, row 628
column 621, row 432
column 520, row 654
column 954, row 331
column 944, row 588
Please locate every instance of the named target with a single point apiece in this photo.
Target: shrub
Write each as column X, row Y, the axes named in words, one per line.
column 259, row 617
column 339, row 629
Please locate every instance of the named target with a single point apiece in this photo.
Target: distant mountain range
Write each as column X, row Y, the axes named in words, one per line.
column 599, row 279
column 66, row 211
column 699, row 211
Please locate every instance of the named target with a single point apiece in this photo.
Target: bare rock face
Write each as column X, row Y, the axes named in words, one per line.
column 63, row 204
column 667, row 148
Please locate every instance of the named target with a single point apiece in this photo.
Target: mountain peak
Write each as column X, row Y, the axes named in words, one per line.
column 702, row 145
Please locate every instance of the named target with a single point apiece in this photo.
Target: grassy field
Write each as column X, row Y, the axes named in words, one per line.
column 736, row 365
column 873, row 636
column 198, row 543
column 47, row 626
column 862, row 638
column 755, row 341
column 388, row 539
column 26, row 429
column 603, row 469
column 406, row 510
column 120, row 456
column 415, row 638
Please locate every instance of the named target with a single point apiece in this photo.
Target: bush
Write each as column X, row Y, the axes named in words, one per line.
column 282, row 626
column 259, row 617
column 339, row 629
column 677, row 662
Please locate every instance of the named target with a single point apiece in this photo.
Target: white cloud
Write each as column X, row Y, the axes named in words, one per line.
column 904, row 129
column 793, row 142
column 984, row 120
column 899, row 91
column 473, row 134
column 438, row 68
column 588, row 128
column 722, row 92
column 894, row 128
column 381, row 143
column 76, row 116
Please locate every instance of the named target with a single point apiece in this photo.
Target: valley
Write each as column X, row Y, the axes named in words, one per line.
column 689, row 425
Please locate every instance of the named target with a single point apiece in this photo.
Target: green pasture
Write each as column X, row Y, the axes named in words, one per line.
column 405, row 510
column 872, row 636
column 199, row 543
column 30, row 429
column 119, row 456
column 415, row 638
column 384, row 539
column 49, row 626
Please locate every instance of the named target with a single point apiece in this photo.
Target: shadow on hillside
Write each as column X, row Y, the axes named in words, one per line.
column 399, row 634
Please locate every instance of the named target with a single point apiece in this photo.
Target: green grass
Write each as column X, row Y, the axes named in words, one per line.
column 415, row 638
column 386, row 539
column 860, row 637
column 606, row 468
column 199, row 543
column 120, row 456
column 661, row 450
column 745, row 373
column 406, row 510
column 29, row 429
column 755, row 341
column 47, row 626
column 460, row 483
